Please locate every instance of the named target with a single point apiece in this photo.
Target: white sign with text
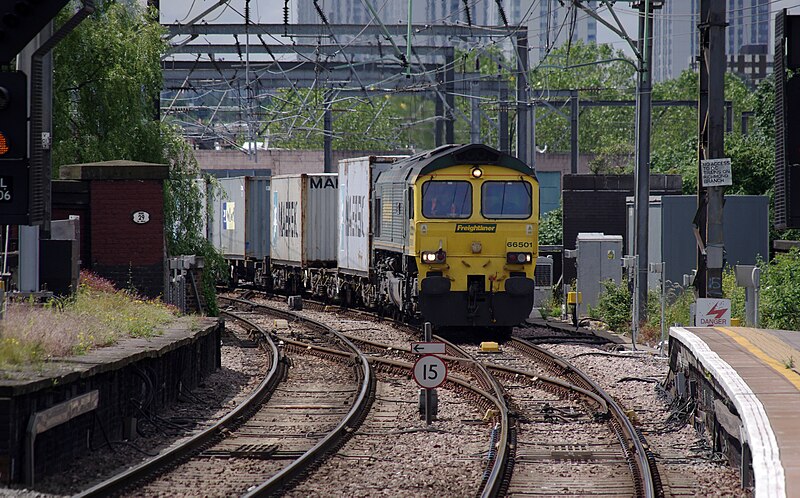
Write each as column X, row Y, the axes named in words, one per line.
column 711, row 312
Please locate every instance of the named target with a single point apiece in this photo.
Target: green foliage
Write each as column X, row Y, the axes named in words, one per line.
column 107, row 81
column 780, row 292
column 185, row 210
column 763, row 104
column 551, row 228
column 296, row 117
column 614, row 306
column 752, row 163
column 599, row 74
column 613, row 159
column 679, row 301
column 674, row 136
column 97, row 315
column 733, row 292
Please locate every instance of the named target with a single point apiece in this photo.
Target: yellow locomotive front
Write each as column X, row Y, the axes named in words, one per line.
column 475, row 239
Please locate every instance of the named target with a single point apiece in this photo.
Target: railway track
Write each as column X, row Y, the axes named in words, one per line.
column 471, row 380
column 598, row 461
column 241, row 453
column 625, row 452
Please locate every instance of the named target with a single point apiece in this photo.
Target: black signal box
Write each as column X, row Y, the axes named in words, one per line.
column 14, row 163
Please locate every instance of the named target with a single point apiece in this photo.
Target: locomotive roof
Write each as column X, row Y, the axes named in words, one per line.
column 452, row 155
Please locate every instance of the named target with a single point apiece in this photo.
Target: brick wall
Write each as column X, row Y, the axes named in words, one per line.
column 122, row 250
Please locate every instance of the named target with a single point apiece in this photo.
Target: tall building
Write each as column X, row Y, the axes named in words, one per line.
column 349, row 11
column 549, row 22
column 676, row 38
column 552, row 23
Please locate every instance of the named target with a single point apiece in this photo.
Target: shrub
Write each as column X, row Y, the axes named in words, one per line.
column 614, row 306
column 780, row 292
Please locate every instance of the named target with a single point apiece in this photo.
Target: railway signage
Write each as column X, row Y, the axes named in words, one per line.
column 430, row 371
column 141, row 217
column 712, row 312
column 716, row 172
column 427, row 347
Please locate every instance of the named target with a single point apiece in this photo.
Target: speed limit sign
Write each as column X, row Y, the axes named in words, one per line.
column 430, row 371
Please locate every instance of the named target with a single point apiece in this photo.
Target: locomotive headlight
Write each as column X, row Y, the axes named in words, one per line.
column 477, row 172
column 519, row 258
column 434, row 257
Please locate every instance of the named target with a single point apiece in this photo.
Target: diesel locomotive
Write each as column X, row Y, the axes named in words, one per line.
column 448, row 236
column 453, row 238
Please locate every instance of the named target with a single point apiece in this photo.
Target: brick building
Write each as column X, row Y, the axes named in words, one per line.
column 121, row 205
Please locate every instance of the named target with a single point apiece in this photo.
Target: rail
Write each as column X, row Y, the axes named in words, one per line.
column 243, row 411
column 639, row 460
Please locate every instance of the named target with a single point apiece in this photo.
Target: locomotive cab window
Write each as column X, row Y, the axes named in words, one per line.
column 506, row 199
column 445, row 199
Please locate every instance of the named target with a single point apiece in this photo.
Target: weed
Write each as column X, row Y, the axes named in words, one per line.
column 97, row 315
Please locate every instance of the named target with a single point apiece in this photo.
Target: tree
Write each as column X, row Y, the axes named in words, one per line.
column 599, row 73
column 551, row 227
column 107, row 81
column 295, row 120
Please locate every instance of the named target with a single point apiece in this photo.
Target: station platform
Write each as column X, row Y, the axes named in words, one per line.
column 64, row 408
column 744, row 384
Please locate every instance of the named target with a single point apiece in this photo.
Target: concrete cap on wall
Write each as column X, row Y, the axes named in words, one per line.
column 115, row 170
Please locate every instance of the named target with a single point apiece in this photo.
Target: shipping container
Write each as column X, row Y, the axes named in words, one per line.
column 304, row 219
column 356, row 177
column 240, row 226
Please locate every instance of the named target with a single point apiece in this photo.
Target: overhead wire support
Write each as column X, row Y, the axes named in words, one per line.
column 501, row 11
column 400, row 56
column 408, row 41
column 619, row 29
column 339, row 45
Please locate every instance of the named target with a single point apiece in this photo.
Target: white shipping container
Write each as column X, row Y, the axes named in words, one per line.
column 304, row 219
column 355, row 206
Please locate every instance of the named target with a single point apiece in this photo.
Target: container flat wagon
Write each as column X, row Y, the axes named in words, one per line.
column 303, row 236
column 239, row 227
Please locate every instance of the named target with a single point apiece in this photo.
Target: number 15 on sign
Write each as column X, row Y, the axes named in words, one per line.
column 430, row 371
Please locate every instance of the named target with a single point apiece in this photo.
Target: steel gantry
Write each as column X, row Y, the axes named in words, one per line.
column 364, row 65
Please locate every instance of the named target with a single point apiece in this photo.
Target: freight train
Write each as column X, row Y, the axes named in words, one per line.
column 448, row 236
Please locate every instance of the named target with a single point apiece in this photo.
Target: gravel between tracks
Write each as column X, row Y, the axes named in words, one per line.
column 393, row 454
column 686, row 463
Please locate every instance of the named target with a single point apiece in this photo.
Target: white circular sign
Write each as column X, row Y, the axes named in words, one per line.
column 430, row 371
column 141, row 217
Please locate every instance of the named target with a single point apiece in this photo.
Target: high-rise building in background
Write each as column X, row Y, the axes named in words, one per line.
column 550, row 24
column 676, row 39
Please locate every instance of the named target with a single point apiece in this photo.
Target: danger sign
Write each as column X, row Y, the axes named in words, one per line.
column 713, row 312
column 716, row 172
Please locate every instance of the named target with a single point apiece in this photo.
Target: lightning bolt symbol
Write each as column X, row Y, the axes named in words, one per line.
column 718, row 312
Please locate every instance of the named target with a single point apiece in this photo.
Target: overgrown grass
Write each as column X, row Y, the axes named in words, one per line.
column 97, row 315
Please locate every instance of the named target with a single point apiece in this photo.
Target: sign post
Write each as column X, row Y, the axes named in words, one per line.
column 429, row 371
